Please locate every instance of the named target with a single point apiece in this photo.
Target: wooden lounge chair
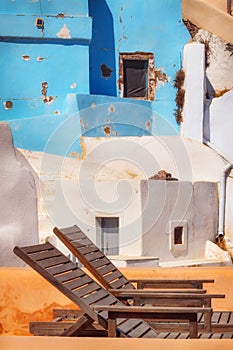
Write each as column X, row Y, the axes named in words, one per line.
column 107, row 273
column 113, row 280
column 79, row 287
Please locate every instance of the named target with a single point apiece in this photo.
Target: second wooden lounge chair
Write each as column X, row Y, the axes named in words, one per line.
column 107, row 273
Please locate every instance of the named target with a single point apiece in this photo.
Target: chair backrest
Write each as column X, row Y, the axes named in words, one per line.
column 92, row 258
column 79, row 287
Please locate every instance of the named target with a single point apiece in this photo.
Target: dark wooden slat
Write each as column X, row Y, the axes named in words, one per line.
column 231, row 318
column 150, row 334
column 95, row 297
column 87, row 332
column 163, row 335
column 49, row 328
column 62, row 268
column 129, row 324
column 200, row 317
column 227, row 336
column 224, row 317
column 78, row 282
column 37, row 248
column 87, row 289
column 80, row 243
column 68, row 230
column 156, row 283
column 57, row 260
column 119, row 283
column 94, row 256
column 184, row 335
column 107, row 300
column 139, row 331
column 99, row 263
column 75, row 235
column 112, row 276
column 45, row 254
column 126, row 289
column 128, row 285
column 205, row 336
column 70, row 275
column 67, row 314
column 105, row 269
column 87, row 249
column 49, row 325
column 173, row 335
column 215, row 317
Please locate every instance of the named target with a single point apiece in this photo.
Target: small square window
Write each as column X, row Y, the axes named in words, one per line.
column 137, row 75
column 178, row 236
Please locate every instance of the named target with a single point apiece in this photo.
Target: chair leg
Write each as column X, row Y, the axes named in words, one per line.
column 81, row 323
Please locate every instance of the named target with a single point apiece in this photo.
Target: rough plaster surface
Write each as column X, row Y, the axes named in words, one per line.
column 18, row 205
column 220, row 61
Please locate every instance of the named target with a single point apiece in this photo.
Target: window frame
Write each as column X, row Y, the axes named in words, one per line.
column 145, row 56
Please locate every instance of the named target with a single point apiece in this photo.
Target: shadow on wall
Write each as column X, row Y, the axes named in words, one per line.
column 102, row 50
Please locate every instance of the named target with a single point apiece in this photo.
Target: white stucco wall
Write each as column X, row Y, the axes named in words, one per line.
column 18, row 202
column 194, row 86
column 194, row 206
column 221, row 125
column 75, row 191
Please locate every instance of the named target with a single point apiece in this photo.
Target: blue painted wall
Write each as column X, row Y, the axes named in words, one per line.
column 79, row 36
column 133, row 25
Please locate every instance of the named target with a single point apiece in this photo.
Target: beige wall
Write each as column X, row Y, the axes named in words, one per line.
column 220, row 4
column 209, row 17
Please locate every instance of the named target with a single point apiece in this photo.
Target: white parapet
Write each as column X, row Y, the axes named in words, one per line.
column 194, row 85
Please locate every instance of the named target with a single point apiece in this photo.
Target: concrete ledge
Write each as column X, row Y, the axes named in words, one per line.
column 58, row 343
column 67, row 28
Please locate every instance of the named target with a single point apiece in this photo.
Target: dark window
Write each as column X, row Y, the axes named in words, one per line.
column 137, row 75
column 135, row 78
column 178, row 235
